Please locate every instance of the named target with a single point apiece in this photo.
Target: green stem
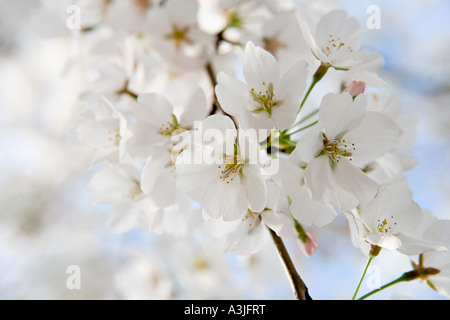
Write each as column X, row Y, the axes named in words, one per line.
column 405, row 277
column 321, row 71
column 362, row 277
column 303, row 128
column 374, row 252
column 309, row 115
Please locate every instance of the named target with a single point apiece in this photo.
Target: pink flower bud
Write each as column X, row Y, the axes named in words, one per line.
column 356, row 88
column 308, row 245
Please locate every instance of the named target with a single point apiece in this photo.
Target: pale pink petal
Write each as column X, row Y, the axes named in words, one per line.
column 355, row 88
column 310, row 245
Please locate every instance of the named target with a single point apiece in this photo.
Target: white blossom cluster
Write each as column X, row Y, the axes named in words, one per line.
column 206, row 115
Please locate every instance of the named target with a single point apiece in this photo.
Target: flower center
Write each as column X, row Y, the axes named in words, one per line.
column 134, row 191
column 231, row 167
column 335, row 44
column 264, row 101
column 336, row 149
column 114, row 137
column 251, row 217
column 178, row 35
column 386, row 225
column 168, row 128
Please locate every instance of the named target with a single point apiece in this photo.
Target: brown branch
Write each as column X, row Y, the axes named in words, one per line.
column 127, row 91
column 298, row 286
column 216, row 104
column 212, row 80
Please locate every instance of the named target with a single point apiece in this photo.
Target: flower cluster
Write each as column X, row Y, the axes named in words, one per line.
column 199, row 118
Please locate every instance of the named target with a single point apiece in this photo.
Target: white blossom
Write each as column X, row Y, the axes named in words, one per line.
column 176, row 36
column 387, row 220
column 336, row 40
column 229, row 173
column 157, row 121
column 118, row 184
column 266, row 100
column 438, row 259
column 345, row 139
column 104, row 128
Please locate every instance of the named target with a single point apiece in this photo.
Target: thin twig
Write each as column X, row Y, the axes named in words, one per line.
column 298, row 286
column 212, row 79
column 216, row 104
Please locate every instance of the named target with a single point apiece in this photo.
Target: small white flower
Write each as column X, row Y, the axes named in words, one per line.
column 440, row 259
column 391, row 221
column 226, row 169
column 345, row 139
column 266, row 100
column 103, row 128
column 176, row 35
column 158, row 176
column 280, row 37
column 398, row 158
column 303, row 207
column 157, row 121
column 248, row 235
column 336, row 40
column 118, row 184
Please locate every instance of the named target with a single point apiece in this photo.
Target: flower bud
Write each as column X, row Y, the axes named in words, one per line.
column 307, row 244
column 356, row 88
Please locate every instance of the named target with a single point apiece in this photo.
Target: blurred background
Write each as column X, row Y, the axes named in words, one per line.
column 47, row 225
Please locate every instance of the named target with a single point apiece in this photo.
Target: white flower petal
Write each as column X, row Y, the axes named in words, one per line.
column 193, row 176
column 246, row 239
column 387, row 241
column 255, row 187
column 374, row 136
column 309, row 212
column 144, row 136
column 232, row 94
column 153, row 108
column 280, row 222
column 259, row 66
column 319, row 179
column 308, row 146
column 289, row 92
column 195, row 109
column 354, row 181
column 414, row 246
column 226, row 200
column 339, row 113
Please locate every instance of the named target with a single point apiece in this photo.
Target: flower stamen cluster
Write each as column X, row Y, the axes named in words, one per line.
column 264, row 100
